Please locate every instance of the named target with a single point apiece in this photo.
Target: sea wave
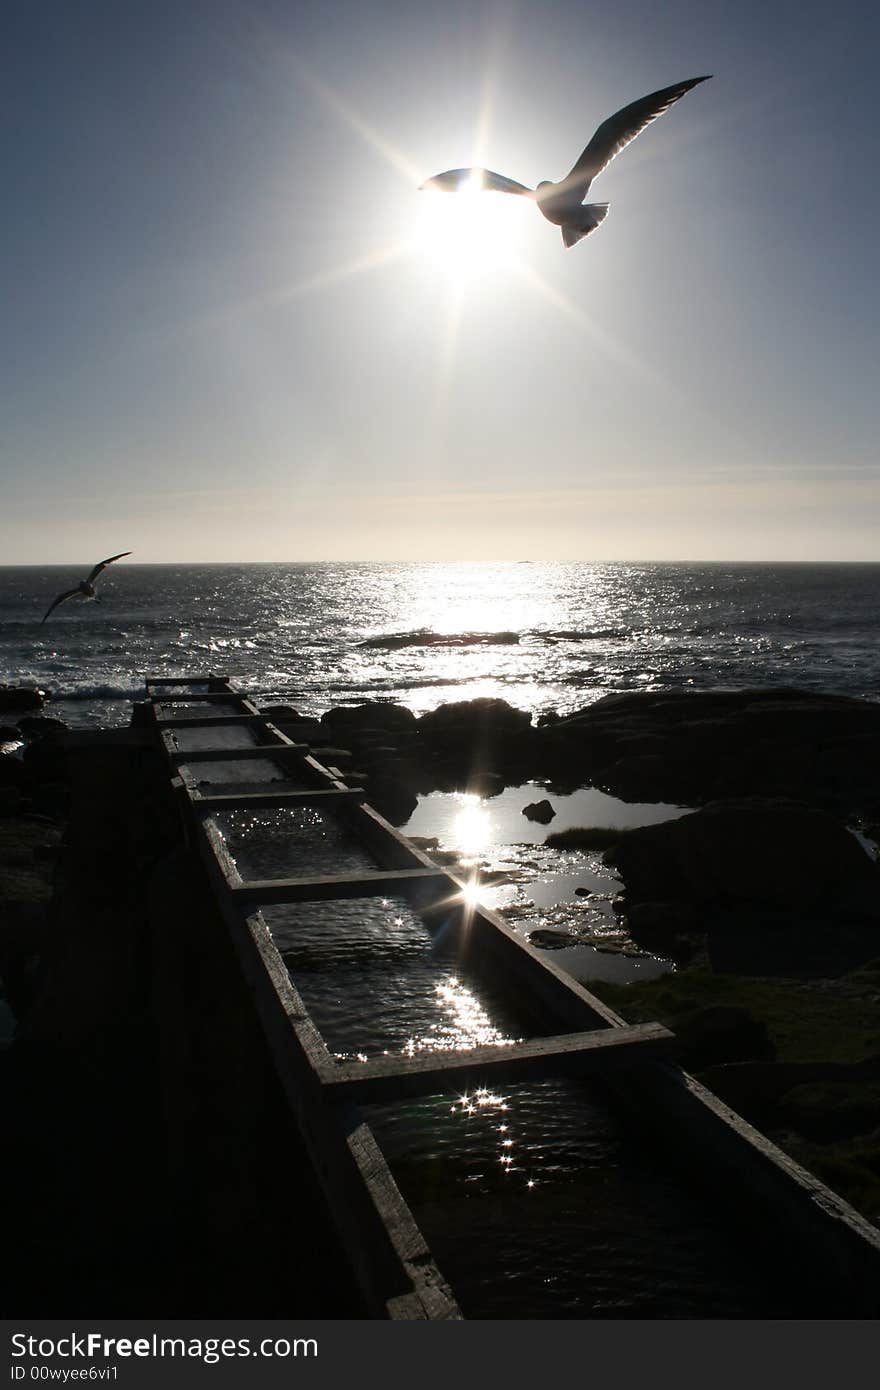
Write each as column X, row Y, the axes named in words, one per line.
column 95, row 692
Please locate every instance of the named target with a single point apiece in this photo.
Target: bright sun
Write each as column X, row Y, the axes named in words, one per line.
column 468, row 234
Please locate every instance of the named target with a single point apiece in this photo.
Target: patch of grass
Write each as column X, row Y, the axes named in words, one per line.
column 850, row 1169
column 833, row 1110
column 583, row 837
column 805, row 1024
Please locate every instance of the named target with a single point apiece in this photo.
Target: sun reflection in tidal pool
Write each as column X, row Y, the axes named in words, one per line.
column 472, row 828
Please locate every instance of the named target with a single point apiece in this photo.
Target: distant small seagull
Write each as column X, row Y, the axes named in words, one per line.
column 85, row 587
column 563, row 203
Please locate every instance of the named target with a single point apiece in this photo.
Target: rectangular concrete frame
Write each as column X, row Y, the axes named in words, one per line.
column 689, row 1118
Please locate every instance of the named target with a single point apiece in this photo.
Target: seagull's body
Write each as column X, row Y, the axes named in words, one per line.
column 563, row 203
column 86, row 587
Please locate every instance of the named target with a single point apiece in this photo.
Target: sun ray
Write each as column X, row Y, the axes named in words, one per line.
column 613, row 349
column 368, row 133
column 446, row 361
column 373, row 260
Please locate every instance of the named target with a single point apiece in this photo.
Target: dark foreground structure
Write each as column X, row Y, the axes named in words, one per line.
column 184, row 1142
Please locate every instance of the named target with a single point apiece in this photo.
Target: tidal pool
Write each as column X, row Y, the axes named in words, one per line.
column 563, row 895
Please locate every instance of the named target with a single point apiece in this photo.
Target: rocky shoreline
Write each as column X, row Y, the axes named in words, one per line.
column 763, row 896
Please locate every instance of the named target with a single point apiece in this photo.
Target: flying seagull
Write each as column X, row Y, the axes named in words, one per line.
column 86, row 587
column 563, row 202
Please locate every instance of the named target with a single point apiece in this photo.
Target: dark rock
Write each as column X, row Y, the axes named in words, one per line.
column 46, row 760
column 721, row 1033
column 392, row 798
column 302, row 730
column 485, row 784
column 475, row 717
column 547, row 717
column 51, row 799
column 694, row 747
column 424, row 637
column 332, row 757
column 540, row 811
column 375, row 715
column 20, row 697
column 23, row 934
column 276, row 712
column 550, row 940
column 583, row 837
column 13, row 773
column 38, row 725
column 775, row 853
column 11, row 801
column 9, row 734
column 472, row 737
column 660, row 921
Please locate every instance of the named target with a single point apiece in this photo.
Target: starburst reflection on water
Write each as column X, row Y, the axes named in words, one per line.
column 463, row 1023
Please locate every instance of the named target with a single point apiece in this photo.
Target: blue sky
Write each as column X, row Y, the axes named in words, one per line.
column 234, row 329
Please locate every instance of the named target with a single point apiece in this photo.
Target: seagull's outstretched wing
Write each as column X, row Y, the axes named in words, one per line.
column 457, row 180
column 621, row 129
column 102, row 565
column 68, row 593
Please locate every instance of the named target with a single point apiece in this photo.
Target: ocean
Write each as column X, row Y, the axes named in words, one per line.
column 541, row 635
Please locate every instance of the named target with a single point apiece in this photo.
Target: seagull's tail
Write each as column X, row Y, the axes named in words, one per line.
column 585, row 220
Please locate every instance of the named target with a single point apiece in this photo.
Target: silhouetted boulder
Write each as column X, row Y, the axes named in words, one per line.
column 775, row 853
column 12, row 772
column 391, row 797
column 22, row 697
column 692, row 747
column 276, row 712
column 38, row 725
column 540, row 811
column 660, row 923
column 375, row 714
column 46, row 760
column 475, row 717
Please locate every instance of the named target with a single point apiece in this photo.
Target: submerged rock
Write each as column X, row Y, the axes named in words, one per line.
column 550, row 940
